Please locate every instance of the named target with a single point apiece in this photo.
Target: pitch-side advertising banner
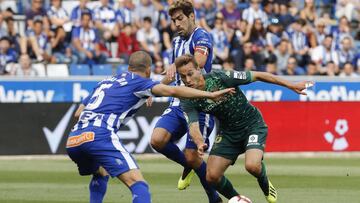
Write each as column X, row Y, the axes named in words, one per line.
column 42, row 128
column 76, row 90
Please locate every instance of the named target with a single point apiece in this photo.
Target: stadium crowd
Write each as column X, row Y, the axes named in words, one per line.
column 284, row 37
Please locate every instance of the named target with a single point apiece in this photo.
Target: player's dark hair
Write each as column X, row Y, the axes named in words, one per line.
column 184, row 5
column 184, row 60
column 147, row 19
column 139, row 61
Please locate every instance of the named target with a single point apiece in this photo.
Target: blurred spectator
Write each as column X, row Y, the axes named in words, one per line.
column 299, row 42
column 242, row 32
column 348, row 71
column 255, row 12
column 292, row 67
column 248, row 52
column 78, row 11
column 7, row 54
column 283, row 52
column 331, row 69
column 145, row 9
column 105, row 19
column 345, row 8
column 163, row 19
column 319, row 33
column 285, row 16
column 208, row 15
column 324, row 53
column 17, row 43
column 231, row 14
column 229, row 64
column 23, row 68
column 39, row 47
column 127, row 43
column 157, row 73
column 86, row 42
column 308, row 13
column 149, row 39
column 270, row 65
column 127, row 11
column 274, row 35
column 249, row 65
column 346, row 52
column 257, row 35
column 268, row 7
column 342, row 30
column 61, row 48
column 220, row 42
column 237, row 38
column 37, row 12
column 312, row 69
column 58, row 16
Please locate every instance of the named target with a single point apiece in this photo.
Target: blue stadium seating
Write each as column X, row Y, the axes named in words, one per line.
column 102, row 69
column 121, row 68
column 79, row 69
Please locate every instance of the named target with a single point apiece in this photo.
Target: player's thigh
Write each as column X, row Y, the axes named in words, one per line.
column 130, row 177
column 216, row 166
column 253, row 158
column 112, row 156
column 170, row 127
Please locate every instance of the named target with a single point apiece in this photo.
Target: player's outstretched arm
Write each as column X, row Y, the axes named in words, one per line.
column 79, row 110
column 270, row 78
column 186, row 92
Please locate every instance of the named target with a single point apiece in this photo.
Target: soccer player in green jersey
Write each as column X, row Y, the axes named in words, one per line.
column 242, row 127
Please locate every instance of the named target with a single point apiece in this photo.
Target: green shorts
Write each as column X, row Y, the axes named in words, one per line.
column 230, row 146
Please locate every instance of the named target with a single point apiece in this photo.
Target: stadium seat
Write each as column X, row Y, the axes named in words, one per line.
column 57, row 70
column 121, row 68
column 79, row 69
column 102, row 69
column 40, row 68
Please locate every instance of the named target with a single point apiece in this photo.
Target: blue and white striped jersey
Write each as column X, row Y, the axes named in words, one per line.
column 199, row 40
column 114, row 101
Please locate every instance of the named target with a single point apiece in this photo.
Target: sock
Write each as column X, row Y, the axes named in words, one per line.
column 171, row 151
column 263, row 180
column 97, row 187
column 213, row 196
column 140, row 192
column 225, row 188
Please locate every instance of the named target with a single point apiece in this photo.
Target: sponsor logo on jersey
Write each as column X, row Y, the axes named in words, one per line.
column 253, row 139
column 240, row 75
column 78, row 140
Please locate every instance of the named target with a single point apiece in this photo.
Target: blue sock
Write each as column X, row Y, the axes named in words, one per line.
column 97, row 187
column 172, row 151
column 210, row 191
column 140, row 192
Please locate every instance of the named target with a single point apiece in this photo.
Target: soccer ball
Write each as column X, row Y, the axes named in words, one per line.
column 240, row 199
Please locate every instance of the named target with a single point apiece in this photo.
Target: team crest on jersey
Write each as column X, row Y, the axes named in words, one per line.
column 218, row 139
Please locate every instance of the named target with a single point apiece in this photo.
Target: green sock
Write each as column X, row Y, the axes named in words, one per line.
column 225, row 188
column 263, row 180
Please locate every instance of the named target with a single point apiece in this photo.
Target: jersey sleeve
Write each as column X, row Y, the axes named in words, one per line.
column 145, row 90
column 202, row 42
column 190, row 112
column 236, row 78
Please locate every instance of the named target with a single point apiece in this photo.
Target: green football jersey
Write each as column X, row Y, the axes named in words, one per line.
column 234, row 112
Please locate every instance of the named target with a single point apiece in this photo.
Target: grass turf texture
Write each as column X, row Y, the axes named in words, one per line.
column 313, row 180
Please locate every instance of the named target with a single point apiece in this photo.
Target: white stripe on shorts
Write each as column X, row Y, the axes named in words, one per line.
column 129, row 160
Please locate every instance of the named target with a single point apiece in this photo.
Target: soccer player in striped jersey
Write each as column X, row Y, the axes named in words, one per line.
column 172, row 124
column 93, row 144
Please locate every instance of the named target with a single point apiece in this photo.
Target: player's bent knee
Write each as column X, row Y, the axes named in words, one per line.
column 212, row 177
column 131, row 177
column 158, row 139
column 253, row 167
column 193, row 159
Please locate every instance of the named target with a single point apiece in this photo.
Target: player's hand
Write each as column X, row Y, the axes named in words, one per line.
column 202, row 148
column 217, row 94
column 149, row 102
column 170, row 71
column 300, row 87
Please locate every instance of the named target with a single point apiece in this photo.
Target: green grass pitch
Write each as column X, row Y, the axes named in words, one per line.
column 302, row 180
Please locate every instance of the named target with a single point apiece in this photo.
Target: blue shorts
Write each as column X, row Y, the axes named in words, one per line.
column 93, row 147
column 174, row 122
